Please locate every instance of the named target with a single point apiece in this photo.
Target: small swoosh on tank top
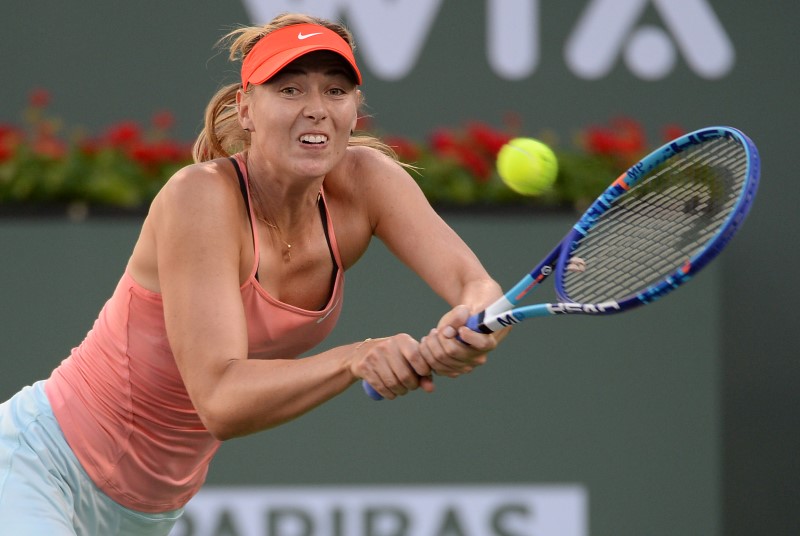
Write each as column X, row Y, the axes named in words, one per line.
column 326, row 315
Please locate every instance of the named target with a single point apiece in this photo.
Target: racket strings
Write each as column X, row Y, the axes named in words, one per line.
column 660, row 223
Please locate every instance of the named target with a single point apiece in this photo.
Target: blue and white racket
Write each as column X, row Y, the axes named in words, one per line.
column 651, row 231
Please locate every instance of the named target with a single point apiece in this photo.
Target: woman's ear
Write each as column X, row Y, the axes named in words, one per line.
column 243, row 110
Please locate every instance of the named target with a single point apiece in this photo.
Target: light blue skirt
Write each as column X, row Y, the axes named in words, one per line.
column 44, row 489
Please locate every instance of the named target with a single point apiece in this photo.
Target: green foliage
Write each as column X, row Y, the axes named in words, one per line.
column 127, row 164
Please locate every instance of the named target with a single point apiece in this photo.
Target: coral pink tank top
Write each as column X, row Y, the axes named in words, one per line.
column 123, row 407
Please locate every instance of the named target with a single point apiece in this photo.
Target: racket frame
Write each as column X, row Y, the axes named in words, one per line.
column 504, row 312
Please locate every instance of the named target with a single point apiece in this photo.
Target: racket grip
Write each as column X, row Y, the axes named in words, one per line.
column 372, row 393
column 472, row 323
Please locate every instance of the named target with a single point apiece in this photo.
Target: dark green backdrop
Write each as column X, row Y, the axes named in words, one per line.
column 108, row 61
column 636, row 423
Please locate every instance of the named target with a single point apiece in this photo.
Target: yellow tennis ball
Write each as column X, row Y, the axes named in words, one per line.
column 527, row 166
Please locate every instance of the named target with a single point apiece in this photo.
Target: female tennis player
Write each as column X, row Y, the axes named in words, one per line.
column 238, row 269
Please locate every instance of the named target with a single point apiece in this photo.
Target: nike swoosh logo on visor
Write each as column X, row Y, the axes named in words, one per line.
column 300, row 35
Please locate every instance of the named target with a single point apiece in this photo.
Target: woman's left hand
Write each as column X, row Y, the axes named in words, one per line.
column 449, row 356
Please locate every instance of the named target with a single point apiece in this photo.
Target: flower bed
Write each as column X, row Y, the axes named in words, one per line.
column 44, row 162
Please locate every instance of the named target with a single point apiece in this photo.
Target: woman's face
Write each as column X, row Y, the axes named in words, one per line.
column 301, row 119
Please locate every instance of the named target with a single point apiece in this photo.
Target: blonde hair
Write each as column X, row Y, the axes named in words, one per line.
column 222, row 135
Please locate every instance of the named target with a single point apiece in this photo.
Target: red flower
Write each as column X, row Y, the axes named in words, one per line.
column 443, row 142
column 446, row 144
column 670, row 132
column 630, row 136
column 123, row 134
column 39, row 98
column 90, row 147
column 163, row 120
column 9, row 134
column 474, row 162
column 487, row 138
column 49, row 146
column 144, row 154
column 600, row 141
column 10, row 138
column 406, row 150
column 623, row 140
column 159, row 153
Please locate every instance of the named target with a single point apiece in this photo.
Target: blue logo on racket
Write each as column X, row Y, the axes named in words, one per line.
column 586, row 308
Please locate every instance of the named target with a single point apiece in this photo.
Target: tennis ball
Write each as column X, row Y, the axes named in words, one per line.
column 527, row 166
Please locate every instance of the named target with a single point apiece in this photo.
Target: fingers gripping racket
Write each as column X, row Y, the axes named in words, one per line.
column 648, row 233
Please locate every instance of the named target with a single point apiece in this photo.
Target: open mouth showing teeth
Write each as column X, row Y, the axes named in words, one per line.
column 314, row 139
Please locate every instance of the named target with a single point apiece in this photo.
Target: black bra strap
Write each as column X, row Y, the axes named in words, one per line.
column 323, row 212
column 242, row 185
column 243, row 188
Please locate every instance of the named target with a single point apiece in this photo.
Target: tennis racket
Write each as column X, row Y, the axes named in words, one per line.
column 651, row 231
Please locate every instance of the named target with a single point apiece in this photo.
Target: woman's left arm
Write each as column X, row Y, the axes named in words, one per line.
column 412, row 230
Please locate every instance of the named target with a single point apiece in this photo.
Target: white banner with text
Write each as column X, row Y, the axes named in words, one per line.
column 456, row 510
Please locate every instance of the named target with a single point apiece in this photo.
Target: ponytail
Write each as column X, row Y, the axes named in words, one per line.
column 222, row 135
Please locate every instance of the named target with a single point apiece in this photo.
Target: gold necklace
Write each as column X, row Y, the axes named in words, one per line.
column 287, row 255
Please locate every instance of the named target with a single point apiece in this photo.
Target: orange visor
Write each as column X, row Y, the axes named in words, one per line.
column 277, row 49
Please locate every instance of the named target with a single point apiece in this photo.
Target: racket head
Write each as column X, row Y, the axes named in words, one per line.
column 661, row 221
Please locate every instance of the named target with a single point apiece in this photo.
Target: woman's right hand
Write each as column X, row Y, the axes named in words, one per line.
column 393, row 366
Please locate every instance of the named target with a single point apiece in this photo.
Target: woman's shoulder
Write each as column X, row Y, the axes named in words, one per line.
column 364, row 165
column 201, row 182
column 355, row 173
column 206, row 191
column 213, row 173
column 367, row 157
